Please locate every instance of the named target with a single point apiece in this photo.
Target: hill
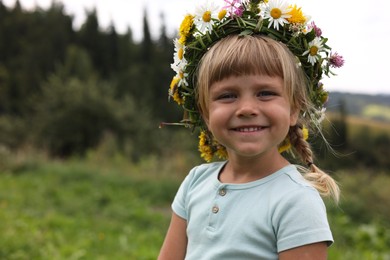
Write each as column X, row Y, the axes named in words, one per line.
column 375, row 107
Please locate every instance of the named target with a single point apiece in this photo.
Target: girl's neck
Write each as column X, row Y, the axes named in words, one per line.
column 243, row 170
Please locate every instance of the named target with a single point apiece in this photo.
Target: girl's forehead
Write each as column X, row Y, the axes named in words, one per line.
column 239, row 76
column 220, row 69
column 249, row 81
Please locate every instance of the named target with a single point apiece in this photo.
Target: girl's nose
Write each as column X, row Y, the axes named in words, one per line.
column 248, row 108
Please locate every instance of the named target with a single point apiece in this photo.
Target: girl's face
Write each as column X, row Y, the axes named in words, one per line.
column 250, row 115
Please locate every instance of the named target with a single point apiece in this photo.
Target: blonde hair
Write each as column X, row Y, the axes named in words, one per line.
column 260, row 55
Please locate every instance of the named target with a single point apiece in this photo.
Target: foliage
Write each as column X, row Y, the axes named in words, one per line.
column 14, row 131
column 360, row 223
column 377, row 111
column 356, row 142
column 66, row 92
column 77, row 212
column 361, row 105
column 29, row 52
column 108, row 207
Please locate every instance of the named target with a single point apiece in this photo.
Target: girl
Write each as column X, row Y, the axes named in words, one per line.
column 252, row 97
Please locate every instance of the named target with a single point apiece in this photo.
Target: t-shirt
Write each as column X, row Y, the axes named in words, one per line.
column 254, row 220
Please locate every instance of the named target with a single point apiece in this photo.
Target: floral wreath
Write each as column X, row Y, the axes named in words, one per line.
column 273, row 18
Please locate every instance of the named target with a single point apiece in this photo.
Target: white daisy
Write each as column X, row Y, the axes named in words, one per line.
column 182, row 78
column 318, row 116
column 179, row 62
column 315, row 47
column 178, row 66
column 321, row 115
column 277, row 13
column 205, row 15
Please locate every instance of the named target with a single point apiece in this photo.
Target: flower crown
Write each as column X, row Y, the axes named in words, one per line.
column 273, row 18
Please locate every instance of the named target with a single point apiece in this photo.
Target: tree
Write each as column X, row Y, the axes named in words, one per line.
column 147, row 43
column 163, row 41
column 340, row 134
column 91, row 40
column 113, row 49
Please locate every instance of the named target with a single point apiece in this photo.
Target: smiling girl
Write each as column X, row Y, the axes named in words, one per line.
column 252, row 96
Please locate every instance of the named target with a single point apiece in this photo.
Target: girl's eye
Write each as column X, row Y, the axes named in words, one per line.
column 227, row 96
column 266, row 93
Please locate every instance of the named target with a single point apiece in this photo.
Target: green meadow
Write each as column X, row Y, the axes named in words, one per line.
column 107, row 204
column 79, row 210
column 103, row 207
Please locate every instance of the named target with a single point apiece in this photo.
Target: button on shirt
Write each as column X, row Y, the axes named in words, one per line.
column 254, row 220
column 222, row 192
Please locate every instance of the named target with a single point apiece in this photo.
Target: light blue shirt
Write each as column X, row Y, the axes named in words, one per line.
column 254, row 220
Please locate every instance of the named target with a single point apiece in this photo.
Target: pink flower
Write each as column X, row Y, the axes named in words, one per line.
column 316, row 29
column 239, row 11
column 234, row 7
column 336, row 60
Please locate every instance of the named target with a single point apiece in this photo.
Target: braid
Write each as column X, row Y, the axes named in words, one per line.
column 300, row 145
column 324, row 183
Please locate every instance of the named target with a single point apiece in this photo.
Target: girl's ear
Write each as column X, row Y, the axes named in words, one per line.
column 294, row 114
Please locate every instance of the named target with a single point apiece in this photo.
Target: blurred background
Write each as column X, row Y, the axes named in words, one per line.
column 85, row 170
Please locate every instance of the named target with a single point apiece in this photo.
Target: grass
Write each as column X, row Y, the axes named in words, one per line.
column 74, row 211
column 356, row 123
column 360, row 224
column 377, row 111
column 109, row 208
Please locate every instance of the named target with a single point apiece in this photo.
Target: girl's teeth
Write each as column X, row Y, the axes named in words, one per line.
column 249, row 129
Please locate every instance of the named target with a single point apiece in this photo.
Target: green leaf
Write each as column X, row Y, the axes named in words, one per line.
column 246, row 32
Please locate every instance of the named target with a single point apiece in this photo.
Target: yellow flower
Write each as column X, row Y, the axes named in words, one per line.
column 324, row 97
column 185, row 28
column 222, row 14
column 204, row 148
column 221, row 152
column 296, row 15
column 305, row 133
column 286, row 145
column 180, row 53
column 173, row 91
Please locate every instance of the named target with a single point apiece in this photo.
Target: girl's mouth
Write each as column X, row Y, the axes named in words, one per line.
column 249, row 129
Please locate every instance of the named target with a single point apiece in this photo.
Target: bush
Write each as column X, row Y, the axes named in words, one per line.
column 14, row 131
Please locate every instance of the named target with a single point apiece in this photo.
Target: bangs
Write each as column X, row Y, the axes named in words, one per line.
column 244, row 56
column 250, row 55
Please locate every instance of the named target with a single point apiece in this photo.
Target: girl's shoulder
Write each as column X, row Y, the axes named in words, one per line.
column 208, row 167
column 205, row 171
column 296, row 179
column 292, row 189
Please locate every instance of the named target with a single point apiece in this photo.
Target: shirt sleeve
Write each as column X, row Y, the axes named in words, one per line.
column 301, row 219
column 179, row 203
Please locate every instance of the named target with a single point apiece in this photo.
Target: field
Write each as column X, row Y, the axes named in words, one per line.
column 105, row 206
column 73, row 210
column 90, row 210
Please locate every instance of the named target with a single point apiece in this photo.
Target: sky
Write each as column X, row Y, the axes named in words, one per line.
column 358, row 30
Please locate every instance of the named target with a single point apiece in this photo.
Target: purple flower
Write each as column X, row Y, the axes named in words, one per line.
column 316, row 29
column 336, row 60
column 234, row 7
column 239, row 11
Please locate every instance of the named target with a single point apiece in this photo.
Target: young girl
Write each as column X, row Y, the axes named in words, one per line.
column 252, row 98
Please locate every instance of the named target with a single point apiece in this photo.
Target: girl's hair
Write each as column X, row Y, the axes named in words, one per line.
column 260, row 55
